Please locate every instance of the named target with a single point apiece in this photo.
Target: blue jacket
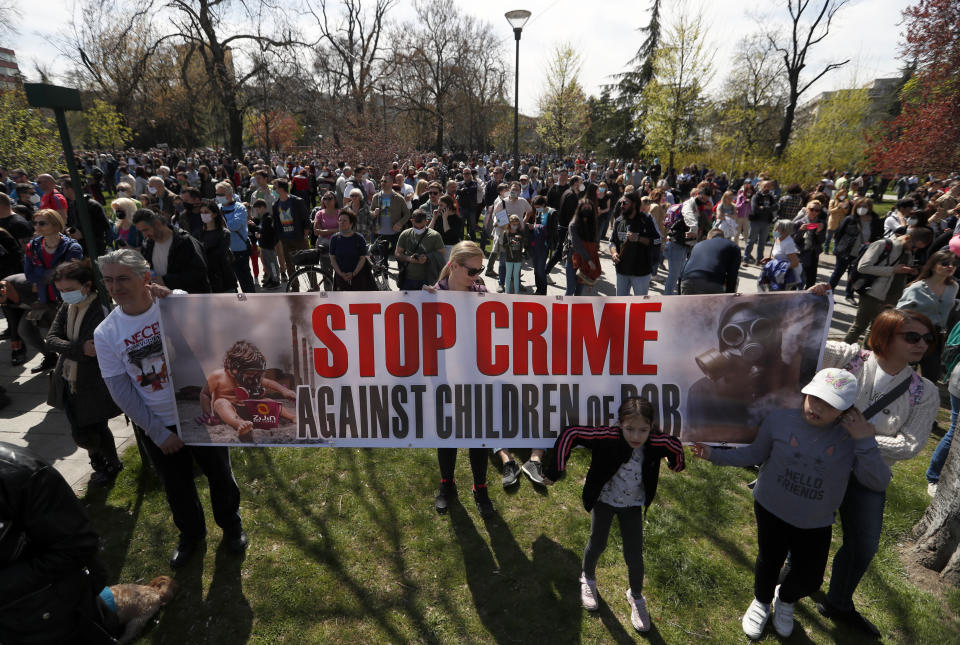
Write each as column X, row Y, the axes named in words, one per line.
column 236, row 216
column 37, row 270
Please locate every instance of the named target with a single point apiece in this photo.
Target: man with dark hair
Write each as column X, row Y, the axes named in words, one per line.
column 292, row 219
column 15, row 224
column 177, row 259
column 98, row 219
column 189, row 219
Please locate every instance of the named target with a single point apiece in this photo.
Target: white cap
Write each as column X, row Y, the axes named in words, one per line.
column 835, row 387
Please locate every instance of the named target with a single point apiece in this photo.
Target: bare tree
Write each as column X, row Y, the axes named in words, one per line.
column 203, row 27
column 353, row 51
column 794, row 49
column 482, row 82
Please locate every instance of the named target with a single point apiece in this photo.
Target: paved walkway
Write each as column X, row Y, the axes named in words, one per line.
column 29, row 421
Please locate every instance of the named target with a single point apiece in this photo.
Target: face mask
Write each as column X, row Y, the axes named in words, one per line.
column 34, row 198
column 151, row 190
column 514, row 194
column 72, row 297
column 862, row 211
column 121, row 193
column 121, row 215
column 221, row 200
column 541, row 211
column 601, row 191
column 206, row 218
column 581, row 188
column 419, row 231
column 514, row 227
column 912, row 221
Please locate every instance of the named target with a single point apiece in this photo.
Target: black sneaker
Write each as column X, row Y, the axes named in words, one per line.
column 534, row 470
column 236, row 542
column 184, row 551
column 445, row 496
column 850, row 617
column 48, row 363
column 482, row 498
column 511, row 473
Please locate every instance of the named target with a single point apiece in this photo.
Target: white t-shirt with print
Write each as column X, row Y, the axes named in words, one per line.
column 625, row 488
column 133, row 345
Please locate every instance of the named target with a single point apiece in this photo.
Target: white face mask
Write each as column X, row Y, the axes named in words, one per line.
column 514, row 227
column 120, row 193
column 912, row 221
column 221, row 200
column 862, row 210
column 34, row 198
column 152, row 190
column 419, row 231
column 73, row 297
column 206, row 218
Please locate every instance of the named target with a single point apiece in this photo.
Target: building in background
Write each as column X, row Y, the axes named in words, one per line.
column 10, row 77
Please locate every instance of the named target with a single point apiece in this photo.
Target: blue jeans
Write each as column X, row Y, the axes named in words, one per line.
column 513, row 277
column 538, row 257
column 943, row 448
column 676, row 255
column 861, row 516
column 759, row 231
column 639, row 283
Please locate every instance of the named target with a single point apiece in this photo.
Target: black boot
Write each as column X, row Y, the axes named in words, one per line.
column 482, row 498
column 445, row 496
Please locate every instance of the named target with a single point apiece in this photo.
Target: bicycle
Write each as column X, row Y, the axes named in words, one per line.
column 379, row 254
column 315, row 272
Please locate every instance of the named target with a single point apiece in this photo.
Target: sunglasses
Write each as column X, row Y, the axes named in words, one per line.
column 913, row 337
column 472, row 272
column 948, row 264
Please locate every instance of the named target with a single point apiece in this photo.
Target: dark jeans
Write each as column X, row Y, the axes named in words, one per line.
column 558, row 249
column 412, row 285
column 808, row 550
column 470, row 217
column 631, row 534
column 391, row 246
column 447, row 457
column 176, row 473
column 809, row 260
column 241, row 267
column 843, row 263
column 861, row 516
column 868, row 309
column 696, row 286
column 538, row 257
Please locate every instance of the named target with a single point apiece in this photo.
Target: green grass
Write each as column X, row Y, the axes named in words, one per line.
column 346, row 548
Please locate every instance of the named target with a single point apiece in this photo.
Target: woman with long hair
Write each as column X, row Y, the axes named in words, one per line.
column 462, row 273
column 933, row 293
column 584, row 254
column 77, row 385
column 216, row 245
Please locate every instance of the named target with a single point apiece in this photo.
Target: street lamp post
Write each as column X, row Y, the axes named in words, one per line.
column 517, row 19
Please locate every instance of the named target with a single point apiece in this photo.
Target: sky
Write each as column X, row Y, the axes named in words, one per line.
column 866, row 31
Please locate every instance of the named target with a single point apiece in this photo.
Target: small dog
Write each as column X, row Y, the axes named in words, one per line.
column 137, row 604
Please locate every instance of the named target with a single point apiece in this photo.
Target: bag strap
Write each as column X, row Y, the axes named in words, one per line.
column 885, row 400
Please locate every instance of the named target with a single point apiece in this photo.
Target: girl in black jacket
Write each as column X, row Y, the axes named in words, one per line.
column 621, row 481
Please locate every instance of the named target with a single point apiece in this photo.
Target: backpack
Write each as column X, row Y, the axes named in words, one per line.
column 862, row 281
column 675, row 225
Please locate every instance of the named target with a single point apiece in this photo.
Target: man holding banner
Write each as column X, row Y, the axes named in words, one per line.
column 132, row 359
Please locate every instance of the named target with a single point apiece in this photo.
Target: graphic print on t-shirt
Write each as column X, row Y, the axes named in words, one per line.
column 145, row 352
column 286, row 219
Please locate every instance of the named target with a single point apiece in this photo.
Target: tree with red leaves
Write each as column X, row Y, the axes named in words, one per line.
column 925, row 137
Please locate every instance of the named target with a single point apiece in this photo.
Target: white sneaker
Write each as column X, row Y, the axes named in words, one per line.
column 755, row 619
column 639, row 615
column 782, row 615
column 931, row 489
column 588, row 593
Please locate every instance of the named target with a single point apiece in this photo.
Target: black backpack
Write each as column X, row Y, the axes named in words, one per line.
column 862, row 281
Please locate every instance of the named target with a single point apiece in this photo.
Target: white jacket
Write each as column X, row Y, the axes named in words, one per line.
column 904, row 425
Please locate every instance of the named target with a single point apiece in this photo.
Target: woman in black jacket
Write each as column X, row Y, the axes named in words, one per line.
column 77, row 385
column 855, row 232
column 216, row 245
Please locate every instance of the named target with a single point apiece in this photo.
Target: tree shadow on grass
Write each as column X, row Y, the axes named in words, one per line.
column 519, row 599
column 303, row 524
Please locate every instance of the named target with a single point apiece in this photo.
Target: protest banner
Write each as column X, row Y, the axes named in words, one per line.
column 459, row 369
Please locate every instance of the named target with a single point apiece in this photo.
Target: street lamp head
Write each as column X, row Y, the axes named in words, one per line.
column 517, row 18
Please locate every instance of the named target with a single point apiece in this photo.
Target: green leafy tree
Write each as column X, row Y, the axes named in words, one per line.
column 27, row 138
column 674, row 101
column 105, row 128
column 833, row 137
column 563, row 104
column 627, row 139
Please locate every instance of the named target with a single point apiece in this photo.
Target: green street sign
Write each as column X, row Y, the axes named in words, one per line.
column 41, row 95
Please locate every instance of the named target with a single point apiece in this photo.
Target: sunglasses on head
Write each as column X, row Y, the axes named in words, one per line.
column 913, row 337
column 472, row 272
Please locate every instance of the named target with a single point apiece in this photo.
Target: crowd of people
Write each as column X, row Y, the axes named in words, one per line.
column 205, row 223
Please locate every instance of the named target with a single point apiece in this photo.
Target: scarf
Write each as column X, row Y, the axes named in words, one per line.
column 75, row 315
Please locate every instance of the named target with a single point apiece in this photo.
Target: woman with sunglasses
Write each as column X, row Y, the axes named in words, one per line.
column 44, row 253
column 909, row 406
column 933, row 294
column 462, row 273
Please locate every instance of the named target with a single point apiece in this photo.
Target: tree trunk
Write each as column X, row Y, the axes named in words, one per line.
column 439, row 149
column 937, row 534
column 787, row 127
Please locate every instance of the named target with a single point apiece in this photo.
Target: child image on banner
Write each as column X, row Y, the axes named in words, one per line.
column 236, row 394
column 763, row 355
